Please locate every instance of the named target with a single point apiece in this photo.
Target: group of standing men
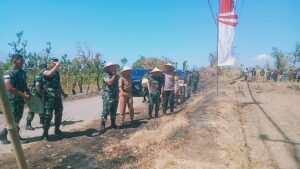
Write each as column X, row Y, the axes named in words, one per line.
column 117, row 90
column 46, row 87
column 160, row 86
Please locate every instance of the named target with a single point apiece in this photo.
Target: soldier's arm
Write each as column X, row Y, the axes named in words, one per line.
column 162, row 87
column 121, row 86
column 51, row 72
column 63, row 92
column 110, row 80
column 39, row 87
column 9, row 87
column 26, row 86
column 39, row 90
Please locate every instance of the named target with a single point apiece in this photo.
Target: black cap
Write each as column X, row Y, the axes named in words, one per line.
column 42, row 66
column 53, row 59
column 15, row 57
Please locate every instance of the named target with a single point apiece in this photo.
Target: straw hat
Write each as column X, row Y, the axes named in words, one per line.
column 126, row 68
column 156, row 70
column 169, row 65
column 109, row 64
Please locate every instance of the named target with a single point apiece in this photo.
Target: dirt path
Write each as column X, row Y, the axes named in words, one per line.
column 79, row 147
column 77, row 114
column 272, row 115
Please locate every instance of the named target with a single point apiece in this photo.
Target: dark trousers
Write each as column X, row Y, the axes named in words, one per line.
column 168, row 99
column 53, row 105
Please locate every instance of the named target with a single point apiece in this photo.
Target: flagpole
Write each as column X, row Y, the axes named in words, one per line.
column 218, row 50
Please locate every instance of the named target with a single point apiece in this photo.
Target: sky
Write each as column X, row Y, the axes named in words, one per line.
column 178, row 29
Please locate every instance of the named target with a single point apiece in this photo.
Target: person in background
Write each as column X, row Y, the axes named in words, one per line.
column 253, row 74
column 290, row 75
column 110, row 95
column 145, row 90
column 156, row 89
column 37, row 89
column 262, row 74
column 189, row 83
column 294, row 75
column 195, row 80
column 125, row 94
column 246, row 74
column 17, row 91
column 169, row 88
column 298, row 75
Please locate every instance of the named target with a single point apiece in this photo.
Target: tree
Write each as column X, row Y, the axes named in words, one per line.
column 138, row 63
column 19, row 46
column 149, row 62
column 124, row 61
column 280, row 59
column 212, row 58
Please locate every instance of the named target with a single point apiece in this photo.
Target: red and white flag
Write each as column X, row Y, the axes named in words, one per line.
column 227, row 20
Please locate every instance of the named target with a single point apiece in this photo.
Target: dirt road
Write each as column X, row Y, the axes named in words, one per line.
column 77, row 114
column 272, row 115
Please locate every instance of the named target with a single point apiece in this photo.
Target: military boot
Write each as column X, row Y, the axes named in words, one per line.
column 57, row 131
column 3, row 137
column 22, row 140
column 121, row 126
column 45, row 135
column 102, row 128
column 28, row 126
column 113, row 124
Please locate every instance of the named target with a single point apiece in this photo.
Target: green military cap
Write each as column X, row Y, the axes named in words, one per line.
column 53, row 59
column 42, row 66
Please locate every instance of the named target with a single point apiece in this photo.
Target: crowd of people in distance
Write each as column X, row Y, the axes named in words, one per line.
column 255, row 75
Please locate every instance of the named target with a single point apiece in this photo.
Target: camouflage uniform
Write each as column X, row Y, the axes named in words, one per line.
column 195, row 79
column 38, row 80
column 110, row 98
column 53, row 101
column 17, row 78
column 189, row 83
column 155, row 84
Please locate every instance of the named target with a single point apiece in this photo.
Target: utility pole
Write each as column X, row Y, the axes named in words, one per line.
column 11, row 126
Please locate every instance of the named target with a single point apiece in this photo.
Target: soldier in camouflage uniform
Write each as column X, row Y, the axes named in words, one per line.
column 53, row 101
column 145, row 90
column 188, row 80
column 155, row 88
column 36, row 89
column 110, row 95
column 195, row 80
column 17, row 90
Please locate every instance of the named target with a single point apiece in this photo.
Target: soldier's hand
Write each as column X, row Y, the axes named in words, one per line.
column 26, row 97
column 57, row 63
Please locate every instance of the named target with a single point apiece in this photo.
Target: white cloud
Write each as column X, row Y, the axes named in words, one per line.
column 262, row 57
